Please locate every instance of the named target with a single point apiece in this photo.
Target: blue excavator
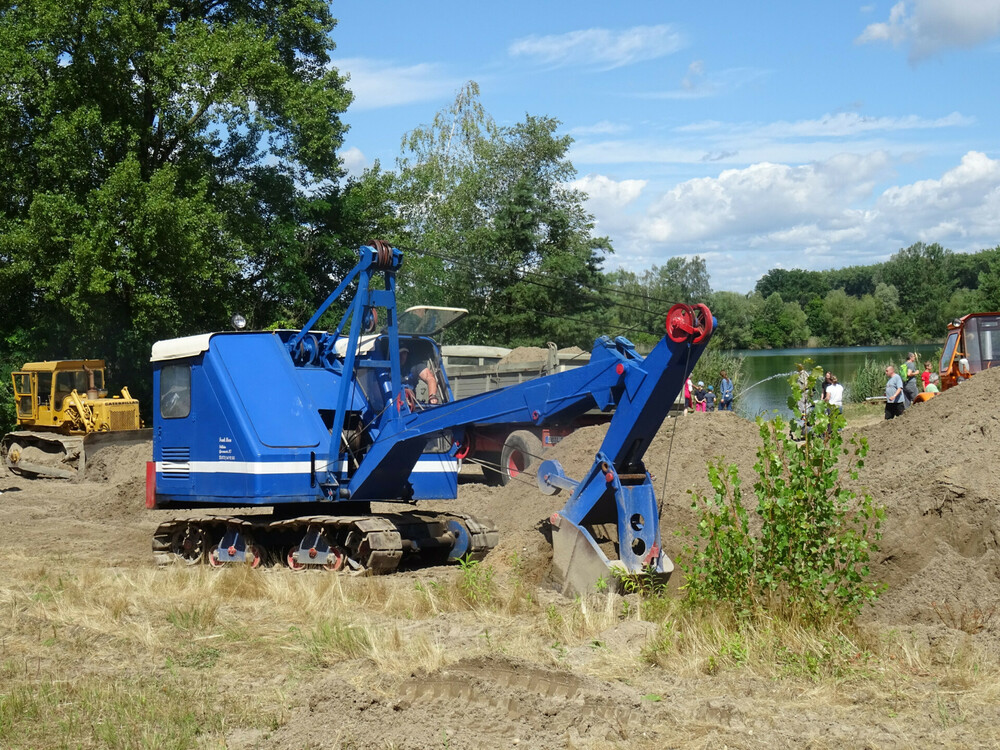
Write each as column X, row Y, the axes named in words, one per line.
column 276, row 444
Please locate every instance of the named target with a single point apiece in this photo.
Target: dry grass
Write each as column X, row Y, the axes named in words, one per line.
column 182, row 657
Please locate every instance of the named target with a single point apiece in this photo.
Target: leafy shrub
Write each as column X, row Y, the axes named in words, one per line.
column 476, row 582
column 868, row 381
column 809, row 558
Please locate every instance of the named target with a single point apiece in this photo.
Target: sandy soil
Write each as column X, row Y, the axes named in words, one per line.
column 936, row 471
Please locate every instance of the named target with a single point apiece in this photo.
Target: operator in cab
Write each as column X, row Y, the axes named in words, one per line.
column 419, row 371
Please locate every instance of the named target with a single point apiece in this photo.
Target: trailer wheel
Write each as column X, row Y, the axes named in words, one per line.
column 521, row 450
column 491, row 469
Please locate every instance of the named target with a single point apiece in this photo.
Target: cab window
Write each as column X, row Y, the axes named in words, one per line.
column 68, row 381
column 949, row 352
column 44, row 388
column 175, row 391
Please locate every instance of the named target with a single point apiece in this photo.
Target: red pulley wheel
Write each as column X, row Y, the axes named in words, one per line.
column 707, row 322
column 680, row 323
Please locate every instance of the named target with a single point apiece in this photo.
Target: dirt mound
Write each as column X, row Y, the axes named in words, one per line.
column 935, row 471
column 526, row 354
column 118, row 464
column 575, row 353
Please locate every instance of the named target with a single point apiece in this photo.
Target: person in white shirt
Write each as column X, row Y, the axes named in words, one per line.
column 835, row 393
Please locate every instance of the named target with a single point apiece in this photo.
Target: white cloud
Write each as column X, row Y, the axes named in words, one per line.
column 695, row 73
column 609, row 200
column 763, row 198
column 821, row 215
column 377, row 84
column 797, row 142
column 932, row 26
column 601, row 48
column 354, row 161
column 839, row 124
column 698, row 83
column 604, row 127
column 609, row 192
column 964, row 203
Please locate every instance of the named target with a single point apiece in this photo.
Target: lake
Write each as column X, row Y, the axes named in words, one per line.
column 757, row 394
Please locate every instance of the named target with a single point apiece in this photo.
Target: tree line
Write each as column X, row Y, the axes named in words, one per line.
column 167, row 163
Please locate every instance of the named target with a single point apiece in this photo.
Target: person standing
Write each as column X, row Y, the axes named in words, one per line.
column 925, row 376
column 894, row 403
column 710, row 399
column 687, row 395
column 725, row 393
column 827, row 379
column 699, row 396
column 932, row 386
column 910, row 388
column 835, row 394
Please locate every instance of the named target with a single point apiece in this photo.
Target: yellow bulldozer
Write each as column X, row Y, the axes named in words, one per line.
column 63, row 412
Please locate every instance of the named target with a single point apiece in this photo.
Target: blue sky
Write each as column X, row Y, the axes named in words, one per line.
column 756, row 135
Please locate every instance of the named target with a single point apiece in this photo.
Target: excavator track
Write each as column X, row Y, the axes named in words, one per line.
column 373, row 545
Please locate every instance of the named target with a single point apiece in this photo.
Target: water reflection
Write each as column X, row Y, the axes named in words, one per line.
column 768, row 371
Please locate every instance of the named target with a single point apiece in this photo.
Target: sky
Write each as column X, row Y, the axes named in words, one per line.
column 797, row 134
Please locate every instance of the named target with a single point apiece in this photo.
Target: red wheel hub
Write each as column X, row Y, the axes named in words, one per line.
column 688, row 323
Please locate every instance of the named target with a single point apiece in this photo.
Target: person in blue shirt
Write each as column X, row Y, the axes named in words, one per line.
column 725, row 393
column 894, row 399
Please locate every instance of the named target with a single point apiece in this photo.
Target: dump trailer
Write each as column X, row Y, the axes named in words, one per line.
column 309, row 428
column 507, row 451
column 63, row 414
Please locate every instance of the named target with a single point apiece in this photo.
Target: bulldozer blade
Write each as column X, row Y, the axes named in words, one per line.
column 26, row 468
column 63, row 456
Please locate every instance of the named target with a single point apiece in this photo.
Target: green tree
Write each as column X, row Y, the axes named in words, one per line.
column 499, row 226
column 734, row 313
column 793, row 284
column 642, row 300
column 807, row 558
column 777, row 323
column 152, row 154
column 838, row 312
column 921, row 275
column 989, row 286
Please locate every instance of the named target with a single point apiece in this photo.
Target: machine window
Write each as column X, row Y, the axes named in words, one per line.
column 949, row 351
column 44, row 388
column 68, row 381
column 175, row 391
column 23, row 381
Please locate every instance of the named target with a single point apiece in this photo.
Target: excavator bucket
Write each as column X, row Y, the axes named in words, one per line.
column 607, row 531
